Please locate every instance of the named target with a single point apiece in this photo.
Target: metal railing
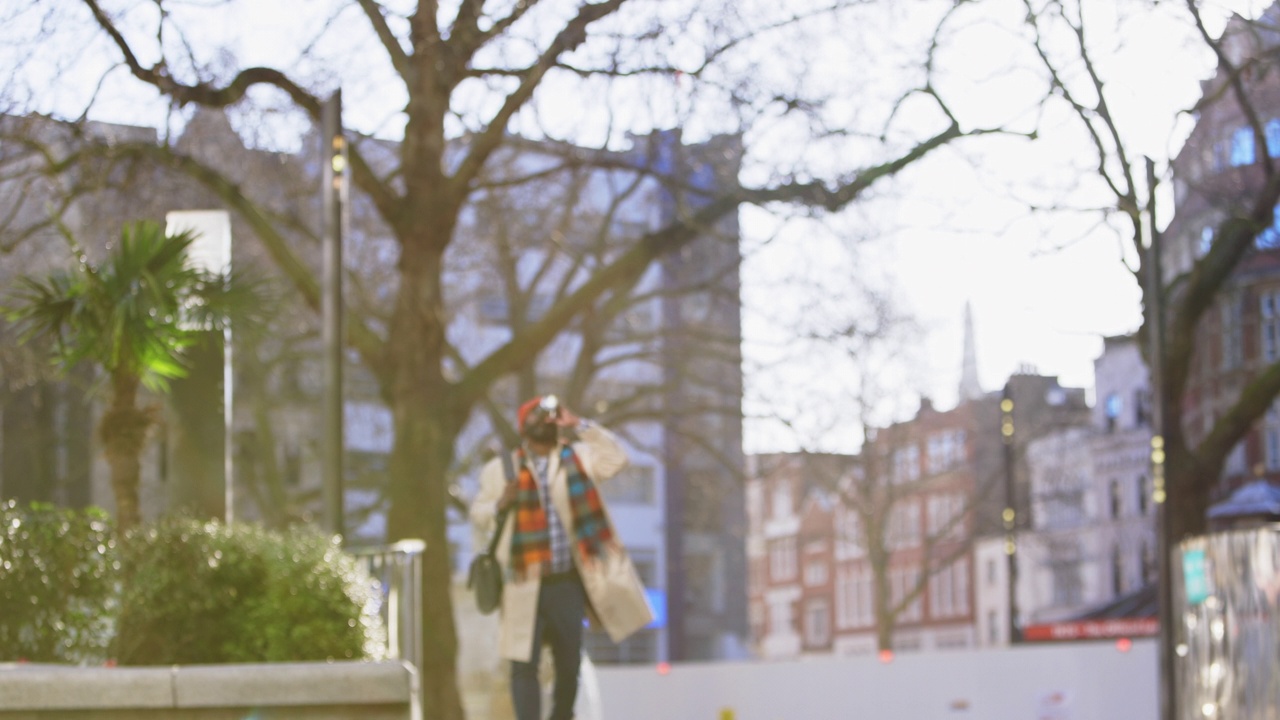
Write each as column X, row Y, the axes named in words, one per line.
column 398, row 570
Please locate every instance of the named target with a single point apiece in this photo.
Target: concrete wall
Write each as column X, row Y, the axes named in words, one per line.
column 277, row 691
column 1093, row 681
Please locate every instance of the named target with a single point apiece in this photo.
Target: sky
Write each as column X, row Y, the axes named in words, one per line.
column 1044, row 291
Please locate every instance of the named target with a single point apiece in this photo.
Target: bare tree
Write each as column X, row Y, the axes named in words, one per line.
column 469, row 73
column 1194, row 284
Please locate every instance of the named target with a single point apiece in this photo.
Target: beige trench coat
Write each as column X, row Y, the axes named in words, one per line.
column 615, row 595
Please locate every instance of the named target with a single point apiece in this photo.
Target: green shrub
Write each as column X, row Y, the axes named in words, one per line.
column 57, row 583
column 204, row 592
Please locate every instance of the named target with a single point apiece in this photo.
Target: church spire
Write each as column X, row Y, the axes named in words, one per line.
column 970, row 388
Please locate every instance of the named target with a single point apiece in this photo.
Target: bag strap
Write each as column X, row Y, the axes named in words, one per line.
column 509, row 471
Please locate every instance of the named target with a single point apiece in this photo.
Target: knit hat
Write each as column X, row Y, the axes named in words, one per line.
column 523, row 413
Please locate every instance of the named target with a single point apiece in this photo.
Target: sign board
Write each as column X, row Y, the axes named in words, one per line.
column 1104, row 629
column 1195, row 576
column 211, row 250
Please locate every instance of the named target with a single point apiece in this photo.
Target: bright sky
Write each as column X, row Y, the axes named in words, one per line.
column 1044, row 291
column 945, row 234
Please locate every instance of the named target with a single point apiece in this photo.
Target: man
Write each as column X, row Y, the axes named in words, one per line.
column 559, row 548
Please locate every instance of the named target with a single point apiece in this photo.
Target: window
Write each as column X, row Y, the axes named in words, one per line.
column 1221, row 153
column 1116, row 505
column 1112, row 408
column 1243, row 147
column 853, row 597
column 849, row 540
column 1232, row 345
column 782, row 559
column 949, row 590
column 780, row 618
column 906, row 464
column 904, row 526
column 1068, row 590
column 817, row 624
column 945, row 450
column 1206, row 241
column 704, row 580
column 945, row 516
column 1144, row 496
column 904, row 581
column 1271, row 437
column 782, row 502
column 1236, row 461
column 815, row 573
column 1269, row 239
column 1272, row 131
column 1141, row 407
column 992, row 573
column 634, row 486
column 993, row 627
column 1270, row 326
column 1117, row 572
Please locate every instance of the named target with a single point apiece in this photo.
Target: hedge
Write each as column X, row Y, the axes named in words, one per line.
column 58, row 571
column 204, row 592
column 178, row 591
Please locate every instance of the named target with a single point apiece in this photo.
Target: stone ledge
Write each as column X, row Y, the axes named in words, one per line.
column 57, row 687
column 338, row 683
column 40, row 689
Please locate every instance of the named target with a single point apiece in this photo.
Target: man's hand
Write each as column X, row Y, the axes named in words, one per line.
column 565, row 418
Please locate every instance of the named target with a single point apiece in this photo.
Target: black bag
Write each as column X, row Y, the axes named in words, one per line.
column 485, row 574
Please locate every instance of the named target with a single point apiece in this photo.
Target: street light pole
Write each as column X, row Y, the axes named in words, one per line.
column 1010, row 514
column 1164, row 575
column 334, row 194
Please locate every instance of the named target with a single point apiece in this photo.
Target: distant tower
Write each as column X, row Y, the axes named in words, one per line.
column 970, row 388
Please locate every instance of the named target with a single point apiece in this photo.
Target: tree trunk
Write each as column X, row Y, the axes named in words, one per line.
column 1188, row 486
column 123, row 430
column 199, row 474
column 419, row 468
column 884, row 612
column 426, row 427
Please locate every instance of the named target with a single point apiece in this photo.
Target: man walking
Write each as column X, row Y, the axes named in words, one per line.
column 562, row 557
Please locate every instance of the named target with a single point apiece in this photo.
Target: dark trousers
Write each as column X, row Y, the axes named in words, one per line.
column 561, row 609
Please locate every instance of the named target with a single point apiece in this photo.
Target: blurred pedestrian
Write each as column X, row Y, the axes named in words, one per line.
column 561, row 554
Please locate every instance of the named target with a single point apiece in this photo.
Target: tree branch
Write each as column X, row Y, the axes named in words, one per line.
column 573, row 34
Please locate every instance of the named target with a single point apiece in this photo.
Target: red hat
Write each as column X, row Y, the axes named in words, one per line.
column 524, row 410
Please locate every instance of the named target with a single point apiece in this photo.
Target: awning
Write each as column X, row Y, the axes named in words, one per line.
column 1132, row 615
column 1258, row 499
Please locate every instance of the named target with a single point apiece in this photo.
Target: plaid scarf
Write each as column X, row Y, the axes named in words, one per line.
column 530, row 539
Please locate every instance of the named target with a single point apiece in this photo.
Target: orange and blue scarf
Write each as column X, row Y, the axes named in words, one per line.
column 530, row 539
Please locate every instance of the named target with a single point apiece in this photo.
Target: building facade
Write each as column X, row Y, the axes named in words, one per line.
column 849, row 553
column 660, row 360
column 1217, row 174
column 1090, row 539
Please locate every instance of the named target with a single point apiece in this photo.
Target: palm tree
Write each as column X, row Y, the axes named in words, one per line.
column 132, row 316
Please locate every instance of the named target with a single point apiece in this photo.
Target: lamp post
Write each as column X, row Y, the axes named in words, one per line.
column 1010, row 515
column 334, row 194
column 1164, row 549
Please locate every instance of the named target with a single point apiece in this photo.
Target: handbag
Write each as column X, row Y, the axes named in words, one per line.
column 484, row 577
